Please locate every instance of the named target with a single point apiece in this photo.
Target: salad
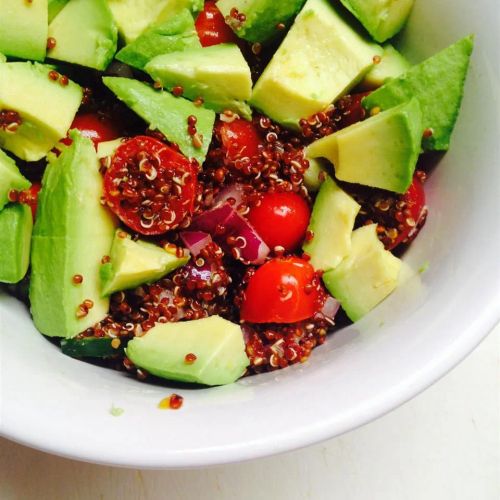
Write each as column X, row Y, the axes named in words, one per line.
column 200, row 191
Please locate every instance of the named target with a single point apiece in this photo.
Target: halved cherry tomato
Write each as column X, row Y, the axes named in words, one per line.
column 239, row 138
column 212, row 28
column 281, row 219
column 98, row 128
column 30, row 197
column 283, row 290
column 413, row 213
column 150, row 186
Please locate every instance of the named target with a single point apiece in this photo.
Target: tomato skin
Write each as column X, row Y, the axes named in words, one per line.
column 414, row 199
column 30, row 197
column 283, row 290
column 212, row 28
column 239, row 139
column 98, row 128
column 281, row 219
column 150, row 186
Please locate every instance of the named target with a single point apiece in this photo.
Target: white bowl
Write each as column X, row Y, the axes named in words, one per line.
column 60, row 405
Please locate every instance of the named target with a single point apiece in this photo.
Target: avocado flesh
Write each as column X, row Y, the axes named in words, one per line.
column 23, row 29
column 332, row 222
column 380, row 152
column 134, row 263
column 315, row 174
column 135, row 16
column 262, row 17
column 320, row 59
column 2, row 58
column 85, row 34
column 366, row 276
column 46, row 108
column 392, row 65
column 10, row 179
column 175, row 34
column 382, row 19
column 90, row 347
column 217, row 344
column 438, row 84
column 166, row 113
column 108, row 148
column 55, row 6
column 219, row 74
column 16, row 224
column 72, row 233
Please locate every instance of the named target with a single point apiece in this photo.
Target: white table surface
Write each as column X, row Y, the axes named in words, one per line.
column 443, row 445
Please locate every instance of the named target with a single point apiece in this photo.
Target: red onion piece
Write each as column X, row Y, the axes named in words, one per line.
column 195, row 241
column 233, row 192
column 329, row 309
column 250, row 245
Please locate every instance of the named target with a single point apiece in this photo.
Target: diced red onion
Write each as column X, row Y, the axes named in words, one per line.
column 329, row 309
column 233, row 192
column 195, row 241
column 210, row 219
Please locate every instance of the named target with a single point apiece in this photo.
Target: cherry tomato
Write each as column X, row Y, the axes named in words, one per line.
column 281, row 219
column 150, row 186
column 239, row 139
column 30, row 197
column 98, row 128
column 212, row 28
column 413, row 213
column 283, row 290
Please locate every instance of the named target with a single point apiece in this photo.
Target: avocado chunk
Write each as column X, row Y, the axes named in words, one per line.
column 218, row 74
column 85, row 34
column 366, row 276
column 10, row 179
column 133, row 263
column 16, row 224
column 72, row 233
column 217, row 344
column 315, row 174
column 331, row 224
column 108, row 148
column 23, row 29
column 262, row 17
column 320, row 59
column 175, row 34
column 438, row 85
column 55, row 6
column 91, row 347
column 380, row 152
column 2, row 58
column 135, row 16
column 166, row 113
column 383, row 19
column 392, row 65
column 45, row 107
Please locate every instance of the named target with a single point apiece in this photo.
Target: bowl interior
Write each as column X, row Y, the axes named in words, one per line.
column 55, row 403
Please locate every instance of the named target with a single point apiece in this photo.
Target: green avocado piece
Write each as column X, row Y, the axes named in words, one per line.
column 382, row 19
column 262, row 17
column 315, row 174
column 46, row 108
column 85, row 34
column 2, row 58
column 135, row 16
column 90, row 347
column 366, row 276
column 332, row 222
column 380, row 152
column 217, row 344
column 16, row 224
column 55, row 6
column 72, row 233
column 133, row 263
column 10, row 179
column 438, row 85
column 320, row 59
column 108, row 148
column 175, row 34
column 166, row 113
column 392, row 65
column 23, row 29
column 219, row 74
